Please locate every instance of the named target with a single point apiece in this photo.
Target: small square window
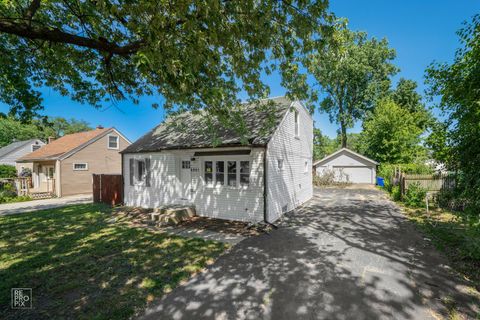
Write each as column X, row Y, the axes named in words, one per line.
column 186, row 164
column 80, row 166
column 112, row 142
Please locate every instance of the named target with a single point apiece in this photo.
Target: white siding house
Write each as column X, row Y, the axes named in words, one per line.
column 14, row 151
column 167, row 167
column 348, row 166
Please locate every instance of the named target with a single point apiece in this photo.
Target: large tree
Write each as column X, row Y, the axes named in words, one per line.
column 352, row 71
column 406, row 96
column 390, row 134
column 191, row 54
column 458, row 86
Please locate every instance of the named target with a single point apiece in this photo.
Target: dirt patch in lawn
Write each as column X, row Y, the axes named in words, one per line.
column 142, row 217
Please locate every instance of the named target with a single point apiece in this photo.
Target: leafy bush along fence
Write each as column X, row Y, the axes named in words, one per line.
column 412, row 182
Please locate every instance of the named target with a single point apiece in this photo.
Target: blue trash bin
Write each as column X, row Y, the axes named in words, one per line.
column 380, row 182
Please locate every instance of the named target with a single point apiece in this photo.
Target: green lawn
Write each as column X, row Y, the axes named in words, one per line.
column 82, row 264
column 454, row 235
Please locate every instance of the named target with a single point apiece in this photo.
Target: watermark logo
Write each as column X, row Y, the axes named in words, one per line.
column 21, row 298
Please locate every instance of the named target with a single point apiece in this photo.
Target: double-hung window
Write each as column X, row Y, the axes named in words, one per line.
column 113, row 142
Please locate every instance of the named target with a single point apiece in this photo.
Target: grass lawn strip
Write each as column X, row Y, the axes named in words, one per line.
column 80, row 263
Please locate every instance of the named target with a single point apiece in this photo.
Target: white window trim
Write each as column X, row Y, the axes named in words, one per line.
column 214, row 184
column 108, row 141
column 85, row 163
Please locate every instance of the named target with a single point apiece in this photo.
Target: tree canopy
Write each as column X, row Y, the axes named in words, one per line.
column 194, row 54
column 458, row 86
column 14, row 130
column 390, row 134
column 351, row 71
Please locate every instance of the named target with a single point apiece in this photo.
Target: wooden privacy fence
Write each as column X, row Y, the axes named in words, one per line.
column 108, row 188
column 430, row 182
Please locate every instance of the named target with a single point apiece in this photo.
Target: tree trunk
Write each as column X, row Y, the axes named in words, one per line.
column 343, row 134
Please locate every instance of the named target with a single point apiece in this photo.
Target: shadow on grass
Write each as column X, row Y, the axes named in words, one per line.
column 81, row 263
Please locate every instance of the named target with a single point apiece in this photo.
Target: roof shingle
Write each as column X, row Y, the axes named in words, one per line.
column 60, row 146
column 188, row 130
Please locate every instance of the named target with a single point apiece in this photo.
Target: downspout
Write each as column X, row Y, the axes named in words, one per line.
column 123, row 180
column 265, row 218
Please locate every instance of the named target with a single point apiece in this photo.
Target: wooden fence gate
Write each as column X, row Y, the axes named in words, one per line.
column 108, row 188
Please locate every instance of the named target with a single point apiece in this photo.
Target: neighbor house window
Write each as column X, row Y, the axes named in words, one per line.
column 232, row 174
column 35, row 147
column 208, row 172
column 220, row 173
column 297, row 124
column 140, row 170
column 80, row 166
column 244, row 173
column 112, row 142
column 186, row 164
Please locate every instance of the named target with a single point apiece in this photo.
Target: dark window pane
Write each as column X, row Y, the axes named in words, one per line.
column 220, row 172
column 232, row 167
column 220, row 166
column 186, row 164
column 141, row 170
column 208, row 172
column 232, row 174
column 244, row 173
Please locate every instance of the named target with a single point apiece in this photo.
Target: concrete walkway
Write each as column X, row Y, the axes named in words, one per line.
column 347, row 254
column 27, row 206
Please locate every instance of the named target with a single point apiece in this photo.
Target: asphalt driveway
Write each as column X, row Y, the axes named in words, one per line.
column 347, row 254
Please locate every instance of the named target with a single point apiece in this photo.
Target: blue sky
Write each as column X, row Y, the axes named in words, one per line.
column 420, row 31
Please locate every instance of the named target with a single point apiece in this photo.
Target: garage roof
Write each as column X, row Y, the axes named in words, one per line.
column 344, row 150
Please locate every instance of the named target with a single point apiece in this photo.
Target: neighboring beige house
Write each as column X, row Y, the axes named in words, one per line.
column 65, row 166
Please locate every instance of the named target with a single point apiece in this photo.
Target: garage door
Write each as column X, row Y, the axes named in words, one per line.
column 354, row 174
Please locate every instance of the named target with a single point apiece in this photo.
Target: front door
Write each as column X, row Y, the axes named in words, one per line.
column 185, row 179
column 48, row 173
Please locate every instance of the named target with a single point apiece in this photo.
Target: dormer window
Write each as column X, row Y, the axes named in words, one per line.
column 297, row 123
column 112, row 142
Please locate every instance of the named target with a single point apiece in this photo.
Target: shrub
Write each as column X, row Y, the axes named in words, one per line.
column 396, row 195
column 415, row 195
column 7, row 171
column 331, row 178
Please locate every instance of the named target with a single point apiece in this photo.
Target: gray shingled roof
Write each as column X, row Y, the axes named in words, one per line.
column 189, row 130
column 14, row 146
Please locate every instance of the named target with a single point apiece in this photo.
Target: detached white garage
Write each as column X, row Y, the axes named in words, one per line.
column 348, row 166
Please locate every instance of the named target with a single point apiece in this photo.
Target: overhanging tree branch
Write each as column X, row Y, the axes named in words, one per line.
column 59, row 36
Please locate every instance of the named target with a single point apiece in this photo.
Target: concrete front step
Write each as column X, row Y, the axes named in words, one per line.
column 172, row 215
